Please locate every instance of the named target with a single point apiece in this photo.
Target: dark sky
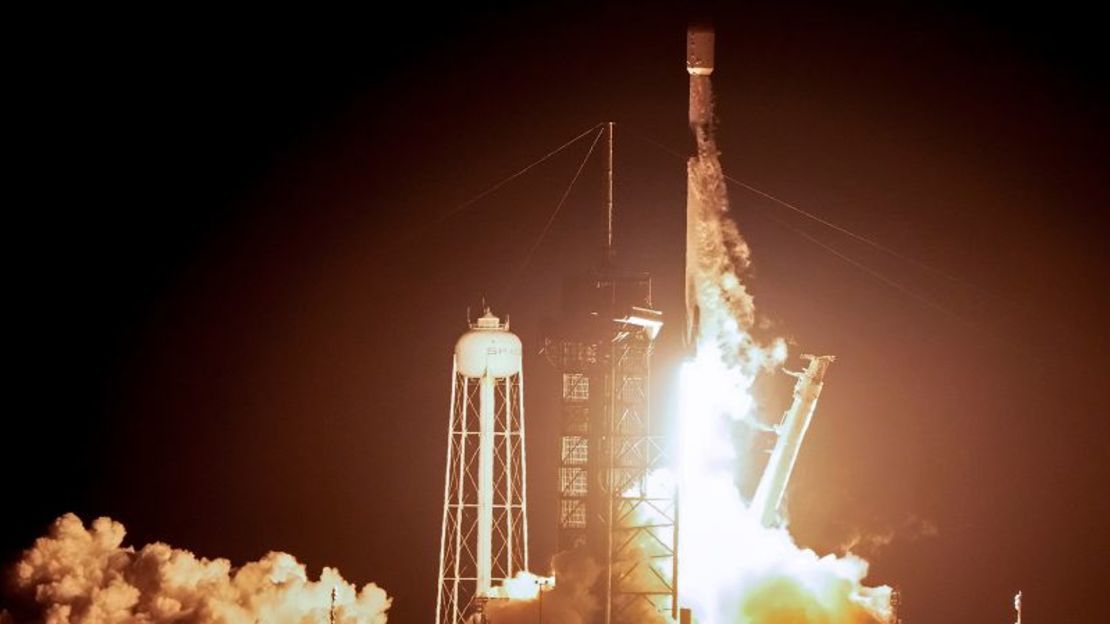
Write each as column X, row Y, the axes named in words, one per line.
column 235, row 298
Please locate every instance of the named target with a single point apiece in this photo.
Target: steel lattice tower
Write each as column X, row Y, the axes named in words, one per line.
column 601, row 346
column 484, row 538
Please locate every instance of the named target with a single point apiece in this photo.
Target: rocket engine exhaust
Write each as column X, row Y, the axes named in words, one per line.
column 737, row 563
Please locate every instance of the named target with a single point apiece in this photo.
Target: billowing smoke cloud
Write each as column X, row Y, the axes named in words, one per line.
column 911, row 529
column 741, row 572
column 79, row 575
column 571, row 598
column 725, row 308
column 569, row 601
column 643, row 559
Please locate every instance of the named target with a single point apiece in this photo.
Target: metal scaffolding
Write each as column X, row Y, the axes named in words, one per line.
column 608, row 502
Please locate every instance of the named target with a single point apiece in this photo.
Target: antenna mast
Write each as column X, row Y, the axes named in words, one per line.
column 609, row 199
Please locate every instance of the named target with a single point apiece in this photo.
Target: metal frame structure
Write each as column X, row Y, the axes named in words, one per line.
column 602, row 347
column 486, row 433
column 642, row 515
column 607, row 502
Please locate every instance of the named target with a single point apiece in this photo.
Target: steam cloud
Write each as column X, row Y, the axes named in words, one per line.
column 734, row 570
column 727, row 313
column 568, row 602
column 78, row 575
column 911, row 529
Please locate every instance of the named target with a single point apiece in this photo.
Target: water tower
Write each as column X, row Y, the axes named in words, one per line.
column 484, row 538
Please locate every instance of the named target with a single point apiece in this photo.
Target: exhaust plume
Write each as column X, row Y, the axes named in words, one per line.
column 911, row 529
column 79, row 575
column 732, row 568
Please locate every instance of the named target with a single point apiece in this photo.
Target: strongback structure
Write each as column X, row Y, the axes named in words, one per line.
column 484, row 538
column 601, row 347
column 768, row 498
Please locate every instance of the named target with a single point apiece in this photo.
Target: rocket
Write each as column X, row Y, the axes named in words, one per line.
column 705, row 200
column 699, row 64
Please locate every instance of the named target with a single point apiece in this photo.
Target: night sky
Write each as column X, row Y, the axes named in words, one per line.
column 236, row 286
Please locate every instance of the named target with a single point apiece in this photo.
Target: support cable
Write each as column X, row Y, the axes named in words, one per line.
column 551, row 218
column 466, row 204
column 459, row 209
column 825, row 222
column 872, row 272
column 916, row 296
column 989, row 332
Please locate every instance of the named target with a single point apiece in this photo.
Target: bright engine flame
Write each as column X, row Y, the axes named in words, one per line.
column 733, row 570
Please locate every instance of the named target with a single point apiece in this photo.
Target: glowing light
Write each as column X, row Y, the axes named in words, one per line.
column 523, row 586
column 732, row 569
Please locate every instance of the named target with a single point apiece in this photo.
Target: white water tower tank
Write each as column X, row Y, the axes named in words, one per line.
column 489, row 347
column 484, row 536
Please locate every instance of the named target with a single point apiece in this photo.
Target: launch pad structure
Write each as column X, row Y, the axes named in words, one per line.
column 613, row 505
column 601, row 346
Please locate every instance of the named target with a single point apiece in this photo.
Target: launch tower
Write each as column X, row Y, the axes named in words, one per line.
column 601, row 346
